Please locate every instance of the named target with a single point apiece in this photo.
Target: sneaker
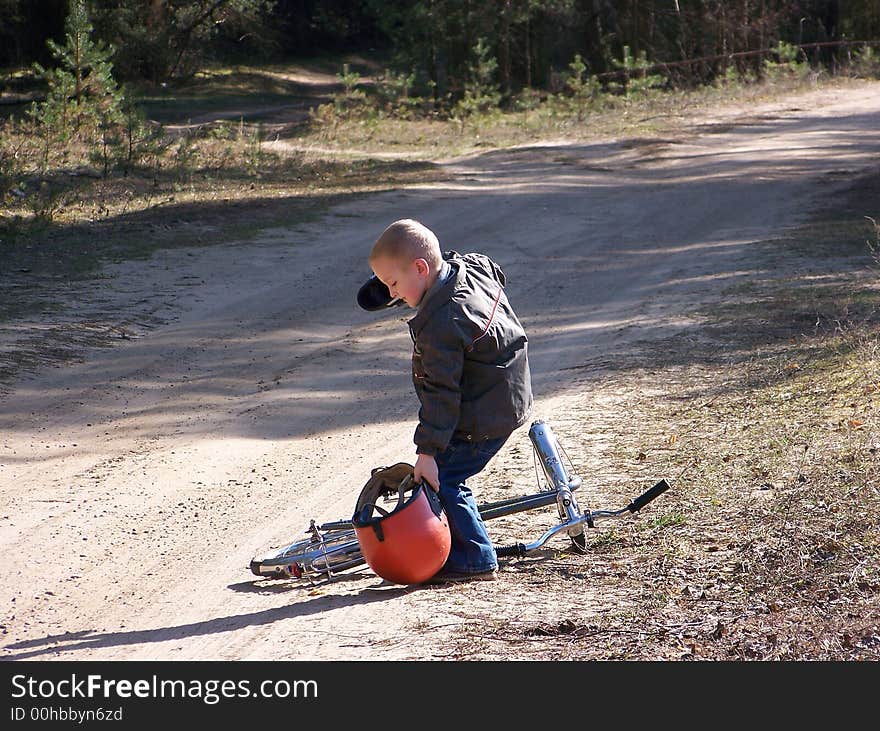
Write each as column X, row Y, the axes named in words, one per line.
column 447, row 577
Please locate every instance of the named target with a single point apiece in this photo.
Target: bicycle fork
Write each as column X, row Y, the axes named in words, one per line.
column 547, row 449
column 572, row 519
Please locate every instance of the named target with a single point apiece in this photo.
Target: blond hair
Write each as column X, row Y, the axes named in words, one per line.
column 407, row 240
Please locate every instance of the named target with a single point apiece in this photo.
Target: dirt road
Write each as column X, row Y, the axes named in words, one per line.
column 136, row 486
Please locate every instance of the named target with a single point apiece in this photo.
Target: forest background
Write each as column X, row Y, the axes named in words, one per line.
column 167, row 93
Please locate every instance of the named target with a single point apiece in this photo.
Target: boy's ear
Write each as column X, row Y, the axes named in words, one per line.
column 422, row 267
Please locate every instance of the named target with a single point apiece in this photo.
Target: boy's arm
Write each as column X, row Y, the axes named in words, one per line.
column 437, row 369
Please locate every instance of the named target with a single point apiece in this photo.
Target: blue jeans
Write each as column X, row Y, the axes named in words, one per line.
column 472, row 550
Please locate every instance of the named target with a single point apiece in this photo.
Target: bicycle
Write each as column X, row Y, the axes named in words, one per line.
column 331, row 548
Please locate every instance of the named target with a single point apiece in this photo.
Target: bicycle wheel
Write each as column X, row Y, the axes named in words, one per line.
column 321, row 554
column 579, row 542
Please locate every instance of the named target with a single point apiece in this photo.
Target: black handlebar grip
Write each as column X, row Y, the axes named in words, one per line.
column 517, row 549
column 647, row 496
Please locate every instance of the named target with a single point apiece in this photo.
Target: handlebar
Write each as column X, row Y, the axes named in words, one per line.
column 647, row 496
column 588, row 516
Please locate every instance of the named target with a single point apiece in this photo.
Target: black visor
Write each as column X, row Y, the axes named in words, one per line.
column 373, row 295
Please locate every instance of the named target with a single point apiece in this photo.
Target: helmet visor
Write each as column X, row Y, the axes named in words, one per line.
column 374, row 295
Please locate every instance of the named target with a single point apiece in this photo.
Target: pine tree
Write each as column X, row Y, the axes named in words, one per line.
column 83, row 99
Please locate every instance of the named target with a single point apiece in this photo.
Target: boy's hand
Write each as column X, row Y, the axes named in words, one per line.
column 426, row 469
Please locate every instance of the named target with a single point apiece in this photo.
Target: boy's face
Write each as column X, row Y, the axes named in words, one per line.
column 407, row 280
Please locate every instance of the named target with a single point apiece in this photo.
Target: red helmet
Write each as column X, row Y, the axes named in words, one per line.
column 409, row 544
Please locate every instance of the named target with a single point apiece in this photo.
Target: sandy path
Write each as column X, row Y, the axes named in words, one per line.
column 135, row 487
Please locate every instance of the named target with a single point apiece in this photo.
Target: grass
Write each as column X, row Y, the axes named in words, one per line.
column 536, row 118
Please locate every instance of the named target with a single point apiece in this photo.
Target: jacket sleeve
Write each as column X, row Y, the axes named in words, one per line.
column 438, row 360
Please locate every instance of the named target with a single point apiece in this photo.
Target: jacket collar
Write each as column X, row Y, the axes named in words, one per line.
column 440, row 296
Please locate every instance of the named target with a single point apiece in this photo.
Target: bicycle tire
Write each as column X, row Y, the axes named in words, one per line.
column 579, row 543
column 321, row 554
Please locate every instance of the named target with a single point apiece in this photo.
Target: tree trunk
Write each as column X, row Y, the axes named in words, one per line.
column 504, row 50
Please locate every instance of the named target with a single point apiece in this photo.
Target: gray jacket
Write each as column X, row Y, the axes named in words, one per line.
column 470, row 358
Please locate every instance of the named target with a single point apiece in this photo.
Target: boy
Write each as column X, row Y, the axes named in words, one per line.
column 470, row 371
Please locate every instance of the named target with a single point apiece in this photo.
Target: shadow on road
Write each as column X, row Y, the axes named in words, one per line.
column 69, row 642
